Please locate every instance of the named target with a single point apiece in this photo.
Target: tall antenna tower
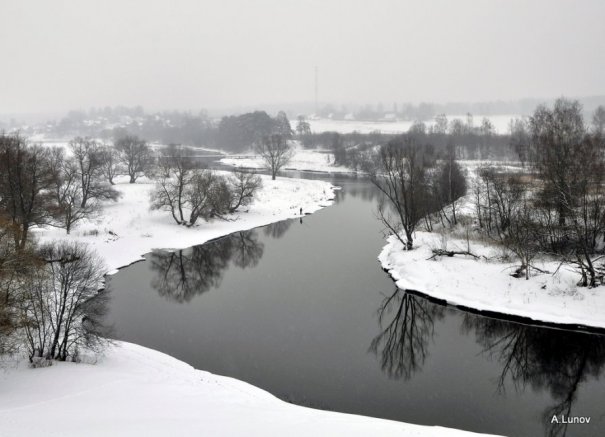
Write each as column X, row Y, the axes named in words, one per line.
column 316, row 91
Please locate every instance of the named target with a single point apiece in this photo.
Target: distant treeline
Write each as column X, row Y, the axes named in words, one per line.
column 239, row 133
column 472, row 139
column 426, row 111
column 463, row 139
column 231, row 133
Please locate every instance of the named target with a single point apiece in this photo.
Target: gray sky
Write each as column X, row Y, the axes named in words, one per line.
column 188, row 54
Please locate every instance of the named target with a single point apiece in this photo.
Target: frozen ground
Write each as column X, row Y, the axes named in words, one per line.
column 127, row 229
column 500, row 123
column 303, row 159
column 135, row 391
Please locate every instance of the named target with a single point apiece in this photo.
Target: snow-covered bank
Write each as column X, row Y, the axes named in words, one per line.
column 486, row 285
column 302, row 160
column 127, row 229
column 135, row 391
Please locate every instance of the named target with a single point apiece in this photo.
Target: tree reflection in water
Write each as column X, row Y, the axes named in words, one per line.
column 364, row 192
column 247, row 250
column 408, row 324
column 183, row 274
column 545, row 359
column 277, row 229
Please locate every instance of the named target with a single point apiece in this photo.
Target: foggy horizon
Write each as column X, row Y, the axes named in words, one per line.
column 191, row 55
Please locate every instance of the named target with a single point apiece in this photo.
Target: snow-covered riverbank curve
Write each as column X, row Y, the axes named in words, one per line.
column 127, row 229
column 486, row 285
column 135, row 391
column 317, row 160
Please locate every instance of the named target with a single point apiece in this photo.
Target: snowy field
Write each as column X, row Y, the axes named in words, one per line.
column 303, row 160
column 128, row 229
column 500, row 122
column 135, row 391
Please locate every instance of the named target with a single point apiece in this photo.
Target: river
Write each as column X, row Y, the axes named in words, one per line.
column 302, row 309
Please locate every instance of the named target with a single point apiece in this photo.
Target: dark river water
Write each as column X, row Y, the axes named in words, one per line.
column 303, row 310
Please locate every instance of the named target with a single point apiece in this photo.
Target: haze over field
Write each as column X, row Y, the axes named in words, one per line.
column 187, row 55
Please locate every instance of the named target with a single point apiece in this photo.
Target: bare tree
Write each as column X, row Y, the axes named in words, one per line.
column 175, row 175
column 450, row 184
column 88, row 157
column 400, row 175
column 570, row 164
column 520, row 139
column 62, row 302
column 522, row 236
column 68, row 207
column 282, row 125
column 25, row 180
column 16, row 265
column 497, row 194
column 555, row 137
column 110, row 158
column 598, row 121
column 243, row 188
column 202, row 196
column 587, row 214
column 181, row 188
column 135, row 155
column 303, row 128
column 441, row 124
column 275, row 152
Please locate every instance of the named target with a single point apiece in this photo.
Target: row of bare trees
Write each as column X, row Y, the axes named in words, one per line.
column 557, row 206
column 51, row 298
column 51, row 302
column 47, row 186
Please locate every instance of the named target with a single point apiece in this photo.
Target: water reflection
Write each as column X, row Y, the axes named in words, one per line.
column 408, row 324
column 183, row 274
column 247, row 250
column 544, row 359
column 556, row 361
column 278, row 229
column 364, row 192
column 450, row 379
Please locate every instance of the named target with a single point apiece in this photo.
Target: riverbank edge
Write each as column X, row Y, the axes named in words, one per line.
column 392, row 257
column 146, row 392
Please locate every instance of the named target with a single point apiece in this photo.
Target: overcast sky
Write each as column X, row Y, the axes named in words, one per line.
column 191, row 54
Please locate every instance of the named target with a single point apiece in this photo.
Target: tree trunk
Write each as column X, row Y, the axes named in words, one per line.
column 23, row 236
column 454, row 213
column 410, row 240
